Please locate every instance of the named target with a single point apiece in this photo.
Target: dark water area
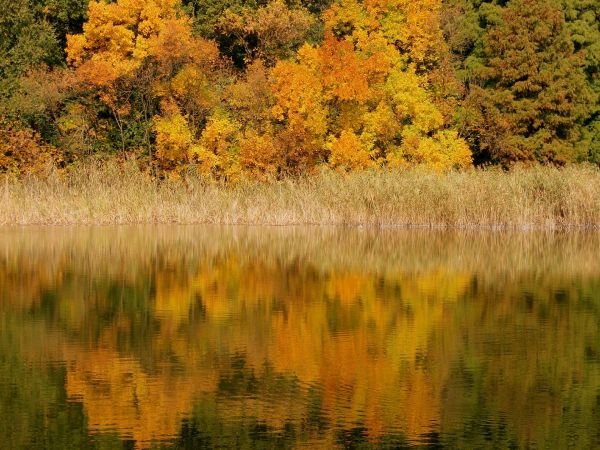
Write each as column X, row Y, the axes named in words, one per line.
column 207, row 337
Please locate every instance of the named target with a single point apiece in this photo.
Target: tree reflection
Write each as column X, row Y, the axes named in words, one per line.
column 228, row 337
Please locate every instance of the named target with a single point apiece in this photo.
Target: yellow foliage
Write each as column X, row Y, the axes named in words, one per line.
column 365, row 95
column 194, row 93
column 219, row 134
column 349, row 153
column 381, row 125
column 348, row 18
column 259, row 154
column 299, row 99
column 350, row 116
column 251, row 98
column 366, row 82
column 411, row 101
column 300, row 109
column 217, row 148
column 413, row 27
column 190, row 81
column 441, row 152
column 173, row 138
column 118, row 35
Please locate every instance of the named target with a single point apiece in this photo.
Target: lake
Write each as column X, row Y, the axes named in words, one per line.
column 233, row 337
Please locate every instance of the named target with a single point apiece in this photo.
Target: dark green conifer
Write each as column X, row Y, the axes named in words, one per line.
column 530, row 95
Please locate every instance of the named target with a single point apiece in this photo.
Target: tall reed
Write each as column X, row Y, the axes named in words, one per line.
column 535, row 197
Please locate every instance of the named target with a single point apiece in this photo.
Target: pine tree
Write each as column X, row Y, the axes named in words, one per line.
column 528, row 93
column 583, row 20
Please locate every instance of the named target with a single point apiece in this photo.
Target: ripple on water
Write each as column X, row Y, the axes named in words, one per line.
column 200, row 337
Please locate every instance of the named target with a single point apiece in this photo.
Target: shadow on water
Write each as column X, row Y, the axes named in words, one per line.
column 216, row 337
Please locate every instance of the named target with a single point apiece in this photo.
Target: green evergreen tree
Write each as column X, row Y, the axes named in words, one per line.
column 529, row 91
column 583, row 20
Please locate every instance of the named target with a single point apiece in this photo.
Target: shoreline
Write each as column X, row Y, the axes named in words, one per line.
column 535, row 198
column 317, row 226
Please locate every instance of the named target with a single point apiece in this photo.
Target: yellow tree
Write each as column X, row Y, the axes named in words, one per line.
column 299, row 110
column 134, row 53
column 380, row 65
column 217, row 150
column 173, row 137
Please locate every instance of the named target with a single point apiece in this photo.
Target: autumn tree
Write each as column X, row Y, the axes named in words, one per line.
column 300, row 112
column 366, row 92
column 251, row 101
column 270, row 32
column 135, row 54
column 23, row 152
column 583, row 24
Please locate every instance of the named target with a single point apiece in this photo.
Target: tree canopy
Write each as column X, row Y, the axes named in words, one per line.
column 267, row 88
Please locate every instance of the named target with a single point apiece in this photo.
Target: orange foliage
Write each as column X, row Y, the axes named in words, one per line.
column 217, row 148
column 251, row 98
column 259, row 155
column 366, row 89
column 23, row 152
column 173, row 138
column 299, row 98
column 349, row 153
column 364, row 96
column 119, row 36
column 343, row 73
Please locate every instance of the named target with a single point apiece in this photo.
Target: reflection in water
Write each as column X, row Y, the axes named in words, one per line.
column 234, row 337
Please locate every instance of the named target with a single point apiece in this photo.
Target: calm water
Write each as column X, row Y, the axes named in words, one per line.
column 199, row 337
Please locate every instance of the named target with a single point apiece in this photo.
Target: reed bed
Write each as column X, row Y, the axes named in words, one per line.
column 524, row 198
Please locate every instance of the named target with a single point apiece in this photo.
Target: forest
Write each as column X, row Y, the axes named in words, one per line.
column 267, row 89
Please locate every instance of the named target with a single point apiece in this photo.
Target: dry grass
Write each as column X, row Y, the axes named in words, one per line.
column 538, row 197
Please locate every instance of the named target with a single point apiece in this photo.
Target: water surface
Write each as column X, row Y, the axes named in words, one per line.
column 205, row 337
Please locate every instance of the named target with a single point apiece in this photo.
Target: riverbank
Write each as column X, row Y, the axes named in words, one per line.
column 538, row 197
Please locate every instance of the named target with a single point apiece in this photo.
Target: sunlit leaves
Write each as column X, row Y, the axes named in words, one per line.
column 518, row 80
column 260, row 155
column 173, row 137
column 349, row 153
column 217, row 149
column 344, row 74
column 251, row 98
column 356, row 100
column 441, row 152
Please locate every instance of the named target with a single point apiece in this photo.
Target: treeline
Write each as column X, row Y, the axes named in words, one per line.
column 267, row 88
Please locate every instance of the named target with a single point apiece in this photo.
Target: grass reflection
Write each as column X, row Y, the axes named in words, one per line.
column 240, row 336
